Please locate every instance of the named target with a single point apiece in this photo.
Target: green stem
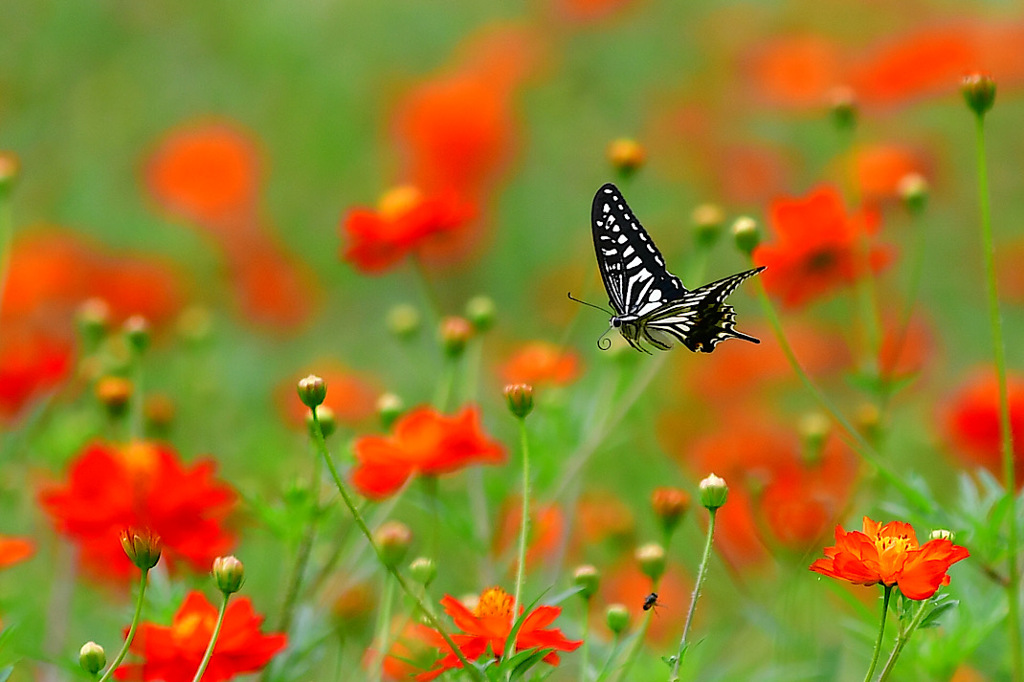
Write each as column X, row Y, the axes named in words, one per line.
column 585, row 649
column 701, row 575
column 524, row 531
column 637, row 646
column 612, row 655
column 383, row 629
column 302, row 554
column 863, row 448
column 131, row 629
column 346, row 496
column 881, row 632
column 213, row 638
column 901, row 641
column 1005, row 432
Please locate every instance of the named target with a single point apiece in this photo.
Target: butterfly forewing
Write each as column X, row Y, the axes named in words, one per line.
column 631, row 266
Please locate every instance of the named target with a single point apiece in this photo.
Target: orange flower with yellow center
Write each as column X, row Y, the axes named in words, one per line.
column 890, row 555
column 486, row 627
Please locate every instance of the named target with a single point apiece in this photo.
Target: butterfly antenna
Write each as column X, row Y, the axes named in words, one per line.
column 603, row 342
column 596, row 307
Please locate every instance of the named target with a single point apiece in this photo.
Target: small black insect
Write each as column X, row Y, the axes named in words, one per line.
column 650, row 305
column 651, row 601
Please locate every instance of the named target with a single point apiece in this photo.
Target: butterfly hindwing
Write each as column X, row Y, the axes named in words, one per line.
column 631, row 266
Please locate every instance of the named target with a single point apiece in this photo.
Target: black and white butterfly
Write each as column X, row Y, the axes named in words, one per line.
column 651, row 304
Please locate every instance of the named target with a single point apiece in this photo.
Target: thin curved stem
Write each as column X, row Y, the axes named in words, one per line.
column 701, row 575
column 213, row 638
column 524, row 530
column 881, row 633
column 901, row 641
column 143, row 582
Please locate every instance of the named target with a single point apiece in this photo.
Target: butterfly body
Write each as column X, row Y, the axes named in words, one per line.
column 651, row 306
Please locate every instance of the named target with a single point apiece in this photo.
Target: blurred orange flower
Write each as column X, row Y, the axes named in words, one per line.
column 547, row 529
column 624, row 583
column 31, row 362
column 405, row 221
column 795, row 71
column 351, row 395
column 816, row 247
column 889, row 555
column 485, row 629
column 422, row 442
column 879, row 169
column 173, row 653
column 540, row 362
column 15, row 550
column 140, row 485
column 971, row 419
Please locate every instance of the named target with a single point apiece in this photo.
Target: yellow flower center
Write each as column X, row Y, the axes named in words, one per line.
column 185, row 628
column 894, row 543
column 139, row 458
column 494, row 602
column 398, row 201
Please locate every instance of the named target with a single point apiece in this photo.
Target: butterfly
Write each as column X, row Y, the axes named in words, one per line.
column 650, row 304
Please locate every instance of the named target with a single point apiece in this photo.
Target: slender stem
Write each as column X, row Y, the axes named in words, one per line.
column 585, row 649
column 346, row 496
column 383, row 628
column 701, row 575
column 863, row 448
column 1005, row 431
column 302, row 554
column 429, row 293
column 213, row 638
column 446, row 384
column 143, row 582
column 524, row 530
column 616, row 644
column 901, row 641
column 881, row 632
column 135, row 408
column 637, row 646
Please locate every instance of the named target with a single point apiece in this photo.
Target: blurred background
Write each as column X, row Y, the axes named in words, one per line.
column 200, row 164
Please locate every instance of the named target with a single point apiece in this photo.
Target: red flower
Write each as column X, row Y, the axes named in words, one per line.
column 173, row 653
column 540, row 362
column 30, row 362
column 486, row 628
column 15, row 550
column 972, row 422
column 817, row 247
column 405, row 220
column 795, row 71
column 889, row 555
column 140, row 485
column 423, row 442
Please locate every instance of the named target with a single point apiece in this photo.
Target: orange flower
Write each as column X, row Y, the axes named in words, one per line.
column 879, row 169
column 795, row 71
column 486, row 628
column 816, row 248
column 972, row 422
column 15, row 550
column 539, row 362
column 140, row 485
column 625, row 583
column 30, row 362
column 405, row 220
column 889, row 555
column 423, row 442
column 547, row 528
column 173, row 653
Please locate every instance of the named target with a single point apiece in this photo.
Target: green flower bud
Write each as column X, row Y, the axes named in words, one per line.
column 746, row 234
column 520, row 399
column 393, row 539
column 92, row 658
column 312, row 391
column 142, row 546
column 229, row 574
column 423, row 570
column 651, row 558
column 481, row 311
column 713, row 492
column 979, row 92
column 617, row 617
column 588, row 578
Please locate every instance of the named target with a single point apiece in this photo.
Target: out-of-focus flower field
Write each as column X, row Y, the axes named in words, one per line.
column 202, row 203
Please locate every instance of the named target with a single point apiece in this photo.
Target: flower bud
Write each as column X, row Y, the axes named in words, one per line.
column 869, row 420
column 455, row 333
column 814, row 428
column 10, row 170
column 92, row 658
column 746, row 234
column 93, row 318
column 326, row 417
column 312, row 391
column 389, row 408
column 229, row 574
column 142, row 546
column 115, row 394
column 617, row 616
column 423, row 570
column 137, row 333
column 651, row 558
column 195, row 324
column 707, row 222
column 842, row 105
column 392, row 539
column 403, row 320
column 913, row 190
column 626, row 156
column 520, row 399
column 941, row 534
column 979, row 92
column 713, row 492
column 158, row 411
column 480, row 311
column 670, row 505
column 587, row 577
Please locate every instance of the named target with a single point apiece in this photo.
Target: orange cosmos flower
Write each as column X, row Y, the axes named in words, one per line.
column 972, row 422
column 795, row 71
column 879, row 169
column 422, row 442
column 816, row 248
column 547, row 527
column 173, row 653
column 486, row 628
column 15, row 550
column 31, row 362
column 539, row 362
column 405, row 220
column 140, row 485
column 889, row 555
